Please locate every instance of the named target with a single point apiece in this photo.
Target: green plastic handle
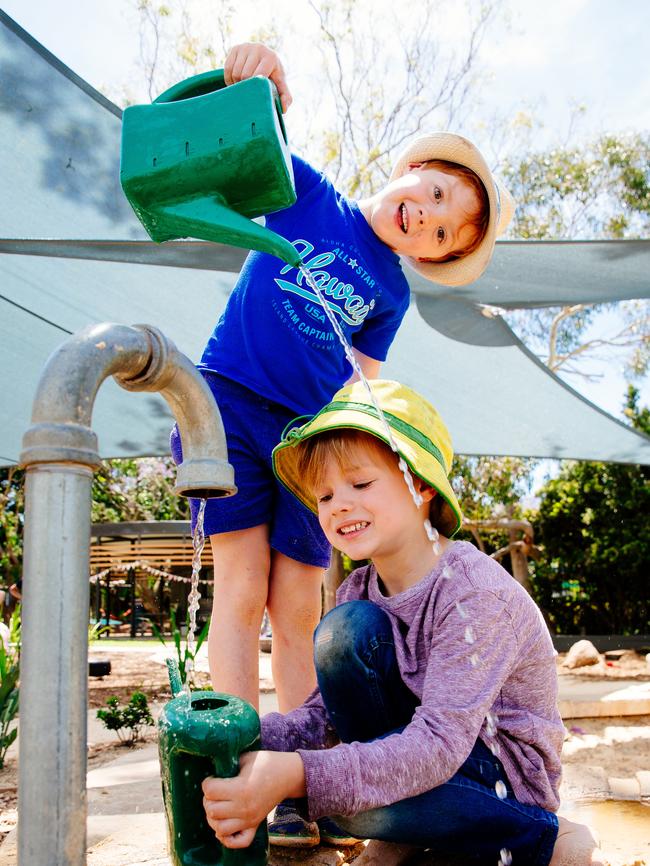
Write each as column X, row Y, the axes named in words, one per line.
column 209, row 82
column 197, row 85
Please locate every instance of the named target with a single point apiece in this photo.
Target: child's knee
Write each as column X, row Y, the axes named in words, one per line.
column 344, row 630
column 243, row 601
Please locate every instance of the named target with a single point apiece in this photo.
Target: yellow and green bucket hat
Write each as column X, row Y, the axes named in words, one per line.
column 418, row 431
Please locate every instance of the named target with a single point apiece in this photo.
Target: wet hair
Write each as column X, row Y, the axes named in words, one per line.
column 479, row 218
column 343, row 445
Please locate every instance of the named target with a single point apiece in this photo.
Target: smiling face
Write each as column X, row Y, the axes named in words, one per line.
column 364, row 506
column 429, row 213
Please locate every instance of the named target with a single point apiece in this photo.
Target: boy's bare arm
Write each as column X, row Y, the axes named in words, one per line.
column 370, row 367
column 253, row 58
column 236, row 807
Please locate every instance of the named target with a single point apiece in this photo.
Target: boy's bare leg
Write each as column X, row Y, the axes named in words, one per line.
column 576, row 846
column 294, row 606
column 241, row 574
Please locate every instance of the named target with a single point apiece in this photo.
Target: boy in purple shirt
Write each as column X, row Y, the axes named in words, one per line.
column 434, row 723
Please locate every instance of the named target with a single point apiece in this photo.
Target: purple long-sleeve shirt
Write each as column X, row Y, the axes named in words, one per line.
column 473, row 647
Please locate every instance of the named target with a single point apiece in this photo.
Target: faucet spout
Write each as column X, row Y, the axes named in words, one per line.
column 140, row 358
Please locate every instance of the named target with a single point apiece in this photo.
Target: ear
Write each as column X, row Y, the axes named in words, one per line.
column 425, row 490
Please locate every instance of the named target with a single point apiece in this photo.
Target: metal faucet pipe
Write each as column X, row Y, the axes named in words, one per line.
column 59, row 455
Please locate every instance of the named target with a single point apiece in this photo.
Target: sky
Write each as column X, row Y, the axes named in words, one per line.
column 547, row 58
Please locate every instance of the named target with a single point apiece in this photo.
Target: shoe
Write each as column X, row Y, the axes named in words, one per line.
column 289, row 830
column 332, row 834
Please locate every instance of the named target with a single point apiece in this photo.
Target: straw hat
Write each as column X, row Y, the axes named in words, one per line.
column 454, row 148
column 419, row 433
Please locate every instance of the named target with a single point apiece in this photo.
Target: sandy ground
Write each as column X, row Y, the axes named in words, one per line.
column 621, row 746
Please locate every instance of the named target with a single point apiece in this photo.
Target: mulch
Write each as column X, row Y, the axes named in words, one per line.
column 132, row 671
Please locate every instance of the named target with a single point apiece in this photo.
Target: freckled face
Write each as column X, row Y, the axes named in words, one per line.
column 424, row 213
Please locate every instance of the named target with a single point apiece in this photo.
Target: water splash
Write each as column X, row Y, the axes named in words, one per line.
column 198, row 543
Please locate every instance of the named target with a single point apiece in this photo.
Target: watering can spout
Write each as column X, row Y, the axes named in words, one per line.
column 209, row 220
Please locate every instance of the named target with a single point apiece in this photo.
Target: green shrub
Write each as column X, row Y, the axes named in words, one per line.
column 9, row 674
column 594, row 525
column 128, row 721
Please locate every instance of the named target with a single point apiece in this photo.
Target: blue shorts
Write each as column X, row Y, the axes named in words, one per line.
column 253, row 428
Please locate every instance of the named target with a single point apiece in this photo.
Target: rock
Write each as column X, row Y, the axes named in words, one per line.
column 581, row 654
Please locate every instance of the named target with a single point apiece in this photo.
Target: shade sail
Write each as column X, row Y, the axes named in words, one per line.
column 522, row 273
column 73, row 253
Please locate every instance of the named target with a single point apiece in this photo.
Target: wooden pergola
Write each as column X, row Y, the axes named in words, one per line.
column 122, row 552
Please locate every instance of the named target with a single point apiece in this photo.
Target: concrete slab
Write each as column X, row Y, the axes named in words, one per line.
column 643, row 777
column 580, row 782
column 585, row 699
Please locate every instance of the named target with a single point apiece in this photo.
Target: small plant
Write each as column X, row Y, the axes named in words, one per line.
column 182, row 652
column 95, row 631
column 128, row 721
column 9, row 674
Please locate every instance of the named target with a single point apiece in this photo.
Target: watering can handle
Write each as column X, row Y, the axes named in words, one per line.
column 197, row 85
column 209, row 82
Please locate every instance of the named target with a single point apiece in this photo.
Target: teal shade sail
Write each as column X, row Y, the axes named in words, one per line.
column 72, row 252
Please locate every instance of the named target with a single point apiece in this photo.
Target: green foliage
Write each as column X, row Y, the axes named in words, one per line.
column 143, row 489
column 123, row 490
column 183, row 654
column 639, row 418
column 9, row 675
column 11, row 523
column 594, row 525
column 128, row 721
column 490, row 487
column 598, row 190
column 95, row 630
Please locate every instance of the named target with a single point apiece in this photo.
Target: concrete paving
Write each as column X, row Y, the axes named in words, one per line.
column 126, row 824
column 583, row 698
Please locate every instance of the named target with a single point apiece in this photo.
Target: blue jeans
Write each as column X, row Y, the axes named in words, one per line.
column 366, row 699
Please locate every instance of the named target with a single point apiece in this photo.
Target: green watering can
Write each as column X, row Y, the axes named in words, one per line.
column 203, row 734
column 203, row 159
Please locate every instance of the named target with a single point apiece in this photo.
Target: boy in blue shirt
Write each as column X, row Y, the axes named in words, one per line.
column 273, row 354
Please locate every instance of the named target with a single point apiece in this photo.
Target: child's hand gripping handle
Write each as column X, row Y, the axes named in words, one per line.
column 226, row 765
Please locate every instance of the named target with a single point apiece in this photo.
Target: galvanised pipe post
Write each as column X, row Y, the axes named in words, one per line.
column 60, row 454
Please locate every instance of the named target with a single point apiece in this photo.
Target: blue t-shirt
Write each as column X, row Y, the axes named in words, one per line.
column 274, row 336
